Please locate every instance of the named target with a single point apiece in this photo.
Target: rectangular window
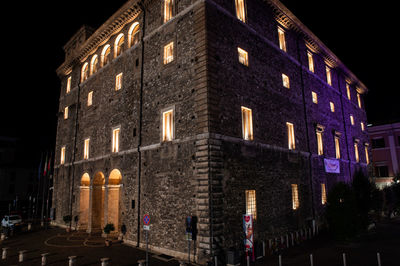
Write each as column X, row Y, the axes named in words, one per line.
column 168, row 10
column 169, row 53
column 68, row 84
column 356, row 156
column 86, row 149
column 240, row 10
column 285, row 81
column 118, row 82
column 323, row 194
column 310, row 61
column 352, row 120
column 62, row 159
column 328, row 75
column 359, row 100
column 314, row 97
column 348, row 91
column 90, row 98
column 115, row 140
column 282, row 41
column 320, row 144
column 247, row 123
column 291, row 138
column 362, row 126
column 66, row 112
column 243, row 57
column 366, row 145
column 251, row 206
column 337, row 146
column 332, row 105
column 168, row 125
column 295, row 197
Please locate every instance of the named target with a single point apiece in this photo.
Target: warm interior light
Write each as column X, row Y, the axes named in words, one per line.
column 295, row 197
column 243, row 57
column 291, row 138
column 282, row 41
column 168, row 53
column 247, row 123
column 168, row 9
column 168, row 125
column 240, row 10
column 115, row 139
column 251, row 207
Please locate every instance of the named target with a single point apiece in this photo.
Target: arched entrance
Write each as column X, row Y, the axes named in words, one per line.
column 98, row 191
column 84, row 202
column 114, row 185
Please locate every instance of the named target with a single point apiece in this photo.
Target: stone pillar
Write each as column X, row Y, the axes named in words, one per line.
column 72, row 260
column 21, row 256
column 104, row 261
column 44, row 258
column 4, row 253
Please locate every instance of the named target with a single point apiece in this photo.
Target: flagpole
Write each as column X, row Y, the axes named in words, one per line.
column 38, row 187
column 43, row 191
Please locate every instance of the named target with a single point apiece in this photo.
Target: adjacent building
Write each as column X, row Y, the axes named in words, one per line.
column 203, row 108
column 385, row 149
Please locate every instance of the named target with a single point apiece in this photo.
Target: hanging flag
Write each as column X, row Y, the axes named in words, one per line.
column 45, row 166
column 40, row 166
column 48, row 164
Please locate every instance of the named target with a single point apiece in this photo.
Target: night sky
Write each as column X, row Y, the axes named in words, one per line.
column 360, row 33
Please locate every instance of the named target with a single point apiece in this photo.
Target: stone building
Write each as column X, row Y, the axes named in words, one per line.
column 204, row 108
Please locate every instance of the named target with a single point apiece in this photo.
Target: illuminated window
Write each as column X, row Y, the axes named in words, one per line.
column 320, row 144
column 282, row 41
column 328, row 75
column 332, row 105
column 323, row 194
column 247, row 123
column 240, row 10
column 348, row 91
column 359, row 100
column 115, row 139
column 62, row 158
column 251, row 206
column 66, row 112
column 85, row 72
column 118, row 81
column 90, row 98
column 243, row 57
column 68, row 85
column 168, row 53
column 356, row 156
column 314, row 97
column 168, row 10
column 86, row 149
column 119, row 45
column 105, row 55
column 295, row 197
column 133, row 34
column 352, row 120
column 362, row 126
column 94, row 64
column 168, row 125
column 366, row 145
column 310, row 61
column 291, row 138
column 285, row 81
column 337, row 145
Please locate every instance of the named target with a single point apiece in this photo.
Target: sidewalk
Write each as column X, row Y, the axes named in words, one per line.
column 87, row 249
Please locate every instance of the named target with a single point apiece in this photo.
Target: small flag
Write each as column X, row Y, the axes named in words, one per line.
column 45, row 166
column 40, row 166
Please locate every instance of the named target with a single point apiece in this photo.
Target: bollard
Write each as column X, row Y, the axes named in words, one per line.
column 21, row 256
column 182, row 263
column 72, row 260
column 291, row 235
column 104, row 261
column 280, row 260
column 215, row 260
column 29, row 226
column 344, row 259
column 287, row 240
column 44, row 258
column 311, row 260
column 4, row 254
column 141, row 262
column 3, row 236
column 263, row 244
column 378, row 257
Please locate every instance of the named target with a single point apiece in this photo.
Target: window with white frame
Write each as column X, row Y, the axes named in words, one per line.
column 251, row 204
column 282, row 40
column 90, row 98
column 247, row 123
column 337, row 145
column 118, row 81
column 66, row 112
column 240, row 10
column 320, row 144
column 285, row 81
column 310, row 61
column 295, row 197
column 86, row 149
column 85, row 72
column 62, row 155
column 169, row 53
column 243, row 57
column 115, row 139
column 168, row 125
column 328, row 75
column 68, row 90
column 291, row 137
column 168, row 10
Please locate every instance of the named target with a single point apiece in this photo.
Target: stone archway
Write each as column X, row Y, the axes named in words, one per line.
column 98, row 193
column 114, row 186
column 84, row 201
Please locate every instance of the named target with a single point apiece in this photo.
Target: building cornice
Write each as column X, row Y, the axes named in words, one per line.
column 285, row 17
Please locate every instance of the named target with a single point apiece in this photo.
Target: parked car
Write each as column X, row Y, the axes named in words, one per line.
column 11, row 221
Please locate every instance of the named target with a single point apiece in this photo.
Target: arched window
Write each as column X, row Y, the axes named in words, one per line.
column 94, row 64
column 105, row 55
column 133, row 34
column 119, row 45
column 85, row 72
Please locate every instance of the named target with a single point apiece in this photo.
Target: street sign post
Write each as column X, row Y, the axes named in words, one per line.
column 146, row 228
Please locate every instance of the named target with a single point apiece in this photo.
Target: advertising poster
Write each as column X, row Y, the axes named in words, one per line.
column 248, row 231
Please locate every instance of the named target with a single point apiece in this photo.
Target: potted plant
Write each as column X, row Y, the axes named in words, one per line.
column 67, row 220
column 107, row 229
